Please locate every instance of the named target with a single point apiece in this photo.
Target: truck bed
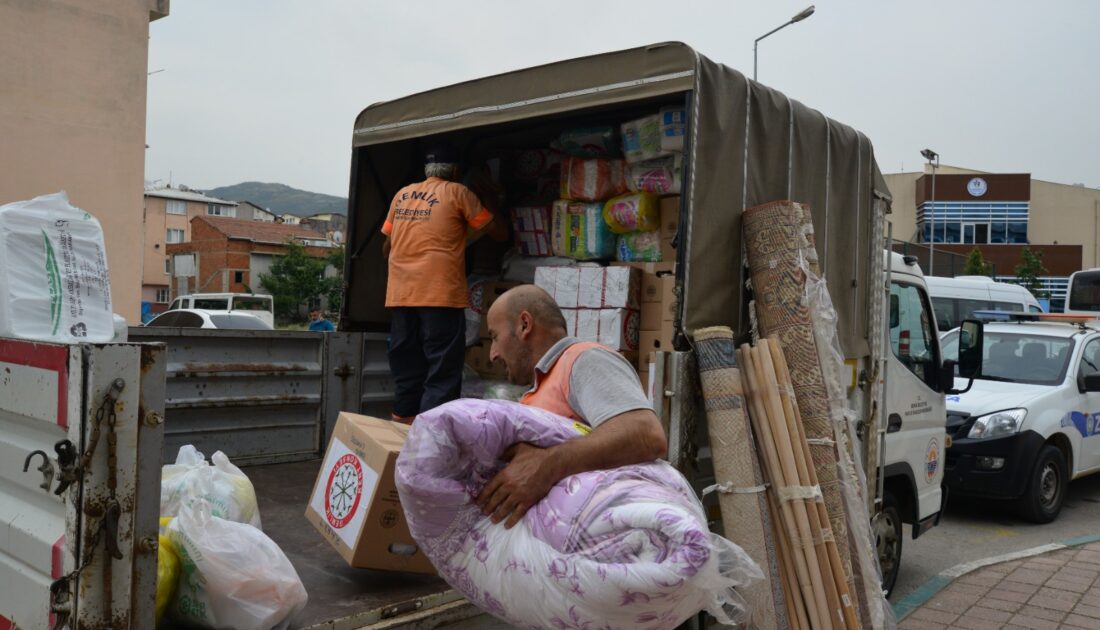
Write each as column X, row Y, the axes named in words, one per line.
column 336, row 591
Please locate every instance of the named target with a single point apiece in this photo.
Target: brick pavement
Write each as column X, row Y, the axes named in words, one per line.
column 1057, row 589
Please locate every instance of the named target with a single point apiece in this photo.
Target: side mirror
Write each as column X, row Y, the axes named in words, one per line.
column 895, row 311
column 1091, row 383
column 947, row 375
column 971, row 343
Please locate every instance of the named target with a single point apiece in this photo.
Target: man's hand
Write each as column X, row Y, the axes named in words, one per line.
column 523, row 483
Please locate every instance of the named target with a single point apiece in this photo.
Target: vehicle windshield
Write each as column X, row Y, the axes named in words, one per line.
column 239, row 322
column 1017, row 358
column 251, row 304
column 211, row 304
column 1084, row 291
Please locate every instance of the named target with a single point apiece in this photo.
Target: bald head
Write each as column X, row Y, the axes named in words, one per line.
column 536, row 301
column 524, row 323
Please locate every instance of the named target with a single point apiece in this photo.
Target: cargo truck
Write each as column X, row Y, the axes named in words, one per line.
column 268, row 399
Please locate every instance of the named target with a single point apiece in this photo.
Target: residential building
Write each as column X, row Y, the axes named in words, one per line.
column 290, row 219
column 999, row 214
column 229, row 255
column 72, row 117
column 334, row 226
column 168, row 215
column 248, row 210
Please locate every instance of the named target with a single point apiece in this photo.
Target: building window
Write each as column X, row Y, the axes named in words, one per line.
column 167, row 264
column 174, row 236
column 974, row 222
column 176, row 206
column 162, row 296
column 221, row 211
column 238, row 277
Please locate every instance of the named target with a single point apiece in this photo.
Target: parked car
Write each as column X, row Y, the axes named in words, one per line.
column 1027, row 425
column 199, row 318
column 260, row 305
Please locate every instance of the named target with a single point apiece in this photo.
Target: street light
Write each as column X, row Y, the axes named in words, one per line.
column 931, row 155
column 805, row 13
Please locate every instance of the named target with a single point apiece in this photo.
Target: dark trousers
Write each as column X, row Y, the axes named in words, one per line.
column 427, row 352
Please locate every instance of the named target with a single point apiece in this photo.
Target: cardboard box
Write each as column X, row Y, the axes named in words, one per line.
column 668, row 267
column 616, row 328
column 668, row 252
column 592, row 287
column 652, row 340
column 354, row 502
column 670, row 217
column 477, row 357
column 482, row 296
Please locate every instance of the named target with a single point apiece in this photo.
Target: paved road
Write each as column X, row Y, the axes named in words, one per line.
column 973, row 530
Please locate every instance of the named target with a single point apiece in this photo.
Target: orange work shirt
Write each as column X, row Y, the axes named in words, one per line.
column 427, row 226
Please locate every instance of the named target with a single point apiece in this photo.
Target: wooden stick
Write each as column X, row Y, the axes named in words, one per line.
column 796, row 615
column 805, row 461
column 759, row 418
column 777, row 424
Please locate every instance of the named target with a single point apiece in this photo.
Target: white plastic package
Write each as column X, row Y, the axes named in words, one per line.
column 233, row 575
column 54, row 284
column 222, row 485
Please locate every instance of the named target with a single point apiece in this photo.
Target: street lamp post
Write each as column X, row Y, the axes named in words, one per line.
column 931, row 155
column 805, row 13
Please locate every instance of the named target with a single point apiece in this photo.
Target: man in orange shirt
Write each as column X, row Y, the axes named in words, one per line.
column 426, row 235
column 580, row 380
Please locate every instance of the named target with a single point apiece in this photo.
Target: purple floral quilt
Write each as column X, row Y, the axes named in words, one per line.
column 621, row 548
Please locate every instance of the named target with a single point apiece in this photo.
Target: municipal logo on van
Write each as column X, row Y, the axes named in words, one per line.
column 931, row 460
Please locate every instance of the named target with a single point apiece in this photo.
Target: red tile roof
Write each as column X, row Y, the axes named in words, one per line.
column 258, row 231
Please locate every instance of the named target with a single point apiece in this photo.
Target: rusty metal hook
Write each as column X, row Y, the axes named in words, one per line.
column 46, row 468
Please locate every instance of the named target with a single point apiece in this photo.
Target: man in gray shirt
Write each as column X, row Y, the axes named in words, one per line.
column 583, row 381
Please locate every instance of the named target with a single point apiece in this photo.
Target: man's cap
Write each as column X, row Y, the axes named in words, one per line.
column 440, row 153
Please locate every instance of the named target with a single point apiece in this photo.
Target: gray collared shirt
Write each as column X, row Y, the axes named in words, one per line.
column 602, row 385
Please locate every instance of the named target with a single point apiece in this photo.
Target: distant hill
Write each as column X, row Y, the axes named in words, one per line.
column 281, row 198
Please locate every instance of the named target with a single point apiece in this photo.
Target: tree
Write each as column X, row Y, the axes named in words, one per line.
column 976, row 265
column 1029, row 270
column 335, row 290
column 298, row 279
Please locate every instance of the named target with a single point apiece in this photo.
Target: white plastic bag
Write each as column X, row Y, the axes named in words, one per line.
column 233, row 576
column 54, row 284
column 222, row 485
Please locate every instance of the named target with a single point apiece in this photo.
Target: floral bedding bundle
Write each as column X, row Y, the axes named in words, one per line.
column 621, row 548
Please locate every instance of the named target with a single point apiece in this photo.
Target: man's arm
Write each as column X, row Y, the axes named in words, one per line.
column 632, row 437
column 386, row 248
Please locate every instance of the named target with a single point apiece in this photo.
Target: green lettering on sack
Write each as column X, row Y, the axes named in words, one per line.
column 53, row 279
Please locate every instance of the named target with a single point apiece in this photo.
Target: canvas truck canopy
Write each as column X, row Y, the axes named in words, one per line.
column 746, row 144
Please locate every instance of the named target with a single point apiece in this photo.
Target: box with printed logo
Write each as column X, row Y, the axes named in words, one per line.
column 355, row 505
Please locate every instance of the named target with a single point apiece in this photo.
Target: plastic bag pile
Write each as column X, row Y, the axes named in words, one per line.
column 216, row 568
column 621, row 548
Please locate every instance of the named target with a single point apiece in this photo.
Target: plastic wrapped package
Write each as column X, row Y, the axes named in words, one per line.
column 590, row 238
column 633, row 212
column 531, row 225
column 222, row 485
column 168, row 574
column 559, row 228
column 660, row 176
column 642, row 139
column 591, row 179
column 673, row 128
column 233, row 575
column 621, row 548
column 588, row 142
column 54, row 284
column 639, row 247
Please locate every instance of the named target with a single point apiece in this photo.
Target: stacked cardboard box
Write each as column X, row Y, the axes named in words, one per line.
column 670, row 223
column 600, row 304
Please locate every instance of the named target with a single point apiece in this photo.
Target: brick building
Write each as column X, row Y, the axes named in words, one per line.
column 228, row 255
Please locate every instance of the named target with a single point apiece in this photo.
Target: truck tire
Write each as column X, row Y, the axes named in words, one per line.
column 888, row 537
column 1046, row 489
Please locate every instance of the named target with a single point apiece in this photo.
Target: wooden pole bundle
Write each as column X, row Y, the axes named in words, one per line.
column 818, row 591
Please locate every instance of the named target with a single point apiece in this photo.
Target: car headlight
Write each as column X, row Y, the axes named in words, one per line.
column 997, row 424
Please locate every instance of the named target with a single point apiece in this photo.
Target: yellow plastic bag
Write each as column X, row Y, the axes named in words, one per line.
column 634, row 212
column 168, row 572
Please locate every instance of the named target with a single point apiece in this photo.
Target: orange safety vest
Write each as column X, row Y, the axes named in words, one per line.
column 552, row 389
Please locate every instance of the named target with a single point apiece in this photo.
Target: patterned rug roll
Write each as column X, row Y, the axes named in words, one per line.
column 779, row 240
column 745, row 516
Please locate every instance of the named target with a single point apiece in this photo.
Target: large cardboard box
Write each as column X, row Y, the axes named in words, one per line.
column 653, row 340
column 477, row 357
column 670, row 217
column 354, row 502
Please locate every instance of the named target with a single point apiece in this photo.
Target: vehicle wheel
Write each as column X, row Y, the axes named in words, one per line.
column 1046, row 490
column 888, row 538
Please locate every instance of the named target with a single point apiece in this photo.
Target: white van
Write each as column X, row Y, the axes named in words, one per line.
column 956, row 299
column 1083, row 293
column 260, row 305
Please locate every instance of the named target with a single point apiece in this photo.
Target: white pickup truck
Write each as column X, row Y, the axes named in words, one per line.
column 1027, row 425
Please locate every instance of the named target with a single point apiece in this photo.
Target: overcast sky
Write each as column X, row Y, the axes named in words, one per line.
column 268, row 90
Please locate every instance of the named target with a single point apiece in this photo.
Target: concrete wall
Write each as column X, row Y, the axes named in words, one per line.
column 72, row 117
